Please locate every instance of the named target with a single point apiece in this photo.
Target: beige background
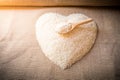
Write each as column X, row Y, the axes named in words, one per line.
column 22, row 59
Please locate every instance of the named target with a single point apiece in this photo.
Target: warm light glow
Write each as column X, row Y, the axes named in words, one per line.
column 25, row 2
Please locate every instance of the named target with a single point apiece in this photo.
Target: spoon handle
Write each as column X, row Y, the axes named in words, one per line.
column 82, row 22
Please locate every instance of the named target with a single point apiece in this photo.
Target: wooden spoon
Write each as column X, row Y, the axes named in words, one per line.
column 64, row 28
